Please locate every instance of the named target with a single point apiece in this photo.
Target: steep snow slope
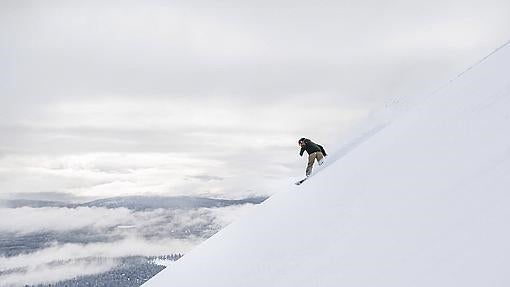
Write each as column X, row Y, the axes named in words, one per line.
column 423, row 202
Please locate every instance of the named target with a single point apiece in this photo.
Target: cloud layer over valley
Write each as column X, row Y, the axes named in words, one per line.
column 50, row 244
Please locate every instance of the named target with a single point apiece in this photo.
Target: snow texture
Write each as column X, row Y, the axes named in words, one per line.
column 424, row 201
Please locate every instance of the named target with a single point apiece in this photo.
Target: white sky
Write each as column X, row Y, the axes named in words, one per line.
column 101, row 98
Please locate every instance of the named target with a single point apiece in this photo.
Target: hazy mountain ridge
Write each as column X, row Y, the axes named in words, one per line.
column 137, row 202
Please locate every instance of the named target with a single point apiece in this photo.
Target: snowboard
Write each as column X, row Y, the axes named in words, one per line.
column 301, row 181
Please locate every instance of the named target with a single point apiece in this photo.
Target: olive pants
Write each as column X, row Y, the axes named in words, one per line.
column 311, row 160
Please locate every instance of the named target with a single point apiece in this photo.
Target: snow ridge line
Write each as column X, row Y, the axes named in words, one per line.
column 472, row 66
column 482, row 60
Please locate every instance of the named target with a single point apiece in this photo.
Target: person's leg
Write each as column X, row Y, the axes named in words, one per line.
column 311, row 161
column 320, row 158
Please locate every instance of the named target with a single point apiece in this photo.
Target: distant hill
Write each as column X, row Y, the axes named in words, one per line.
column 138, row 202
column 15, row 203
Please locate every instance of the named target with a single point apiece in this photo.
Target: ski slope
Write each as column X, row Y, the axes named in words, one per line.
column 424, row 201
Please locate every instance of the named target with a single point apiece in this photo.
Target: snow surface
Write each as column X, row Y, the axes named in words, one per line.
column 425, row 201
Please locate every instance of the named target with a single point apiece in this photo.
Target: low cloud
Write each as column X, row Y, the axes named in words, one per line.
column 62, row 262
column 111, row 234
column 163, row 222
column 26, row 220
column 50, row 273
column 131, row 246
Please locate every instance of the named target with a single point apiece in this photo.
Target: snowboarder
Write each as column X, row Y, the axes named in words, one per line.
column 315, row 151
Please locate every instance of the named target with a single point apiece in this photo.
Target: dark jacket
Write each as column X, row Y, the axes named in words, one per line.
column 312, row 147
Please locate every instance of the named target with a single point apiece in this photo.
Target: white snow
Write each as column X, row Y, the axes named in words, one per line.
column 423, row 202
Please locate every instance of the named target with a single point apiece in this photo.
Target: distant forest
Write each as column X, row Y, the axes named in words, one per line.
column 133, row 271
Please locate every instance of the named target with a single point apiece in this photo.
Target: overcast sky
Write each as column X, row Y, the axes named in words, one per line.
column 102, row 98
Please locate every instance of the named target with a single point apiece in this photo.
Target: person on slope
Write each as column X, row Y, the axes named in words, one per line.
column 315, row 151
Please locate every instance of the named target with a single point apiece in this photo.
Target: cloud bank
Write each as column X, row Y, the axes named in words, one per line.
column 90, row 240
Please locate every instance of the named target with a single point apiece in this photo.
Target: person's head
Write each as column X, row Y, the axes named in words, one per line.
column 301, row 142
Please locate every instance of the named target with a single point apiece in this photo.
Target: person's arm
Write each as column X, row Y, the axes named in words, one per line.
column 302, row 151
column 322, row 150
